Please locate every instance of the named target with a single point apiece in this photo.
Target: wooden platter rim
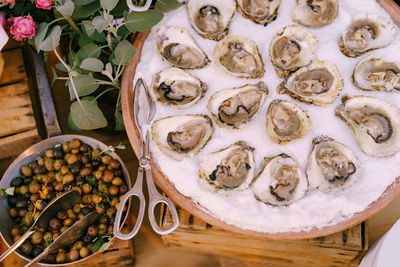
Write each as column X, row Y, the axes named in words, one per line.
column 192, row 207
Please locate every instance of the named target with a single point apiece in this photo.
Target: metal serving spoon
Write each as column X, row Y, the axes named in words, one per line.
column 63, row 202
column 68, row 237
column 144, row 110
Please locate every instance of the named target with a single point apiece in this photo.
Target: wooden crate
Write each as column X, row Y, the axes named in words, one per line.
column 341, row 249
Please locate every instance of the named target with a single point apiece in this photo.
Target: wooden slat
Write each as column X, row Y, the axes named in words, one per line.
column 15, row 144
column 16, row 113
column 14, row 70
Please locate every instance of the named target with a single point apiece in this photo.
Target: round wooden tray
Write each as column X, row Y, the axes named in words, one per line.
column 189, row 205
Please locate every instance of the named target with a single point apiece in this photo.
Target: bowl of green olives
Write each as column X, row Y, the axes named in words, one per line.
column 48, row 169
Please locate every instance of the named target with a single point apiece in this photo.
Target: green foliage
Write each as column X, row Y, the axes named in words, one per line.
column 167, row 5
column 142, row 21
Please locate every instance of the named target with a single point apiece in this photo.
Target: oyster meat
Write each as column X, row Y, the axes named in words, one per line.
column 179, row 48
column 315, row 13
column 280, row 182
column 375, row 124
column 237, row 106
column 211, row 18
column 319, row 83
column 182, row 135
column 286, row 122
column 176, row 87
column 292, row 48
column 239, row 57
column 374, row 73
column 229, row 168
column 365, row 33
column 259, row 11
column 332, row 166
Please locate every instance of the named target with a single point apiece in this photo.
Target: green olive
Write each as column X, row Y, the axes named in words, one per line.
column 55, row 235
column 61, row 257
column 58, row 163
column 55, row 224
column 16, row 237
column 75, row 143
column 34, row 188
column 73, row 255
column 37, row 238
column 68, row 222
column 106, row 159
column 66, row 148
column 87, row 188
column 26, row 171
column 48, row 237
column 77, row 245
column 34, row 198
column 102, row 229
column 96, row 198
column 113, row 190
column 117, row 181
column 48, row 164
column 63, row 228
column 22, row 190
column 28, row 219
column 110, row 212
column 13, row 212
column 26, row 248
column 64, row 170
column 108, row 176
column 68, row 178
column 77, row 208
column 71, row 158
column 71, row 214
column 40, row 161
column 49, row 153
column 86, row 199
column 93, row 230
column 15, row 231
column 98, row 174
column 84, row 252
column 59, row 186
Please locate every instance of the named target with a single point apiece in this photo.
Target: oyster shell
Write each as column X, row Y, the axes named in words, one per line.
column 292, row 48
column 259, row 11
column 280, row 182
column 179, row 48
column 319, row 83
column 332, row 166
column 239, row 57
column 211, row 18
column 315, row 13
column 182, row 135
column 365, row 33
column 375, row 124
column 237, row 106
column 286, row 122
column 231, row 168
column 373, row 73
column 176, row 87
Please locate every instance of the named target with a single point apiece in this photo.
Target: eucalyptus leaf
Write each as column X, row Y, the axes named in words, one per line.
column 89, row 50
column 142, row 21
column 167, row 5
column 84, row 39
column 109, row 68
column 72, row 124
column 52, row 41
column 124, row 52
column 55, row 77
column 92, row 64
column 108, row 4
column 87, row 10
column 65, row 7
column 61, row 67
column 99, row 23
column 83, row 2
column 119, row 121
column 41, row 34
column 86, row 115
column 84, row 84
column 89, row 27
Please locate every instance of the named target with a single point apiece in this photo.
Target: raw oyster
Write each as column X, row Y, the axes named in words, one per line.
column 374, row 73
column 179, row 48
column 237, row 106
column 319, row 83
column 174, row 86
column 286, row 122
column 239, row 57
column 182, row 135
column 315, row 13
column 375, row 124
column 292, row 48
column 211, row 18
column 365, row 33
column 259, row 11
column 280, row 182
column 229, row 168
column 332, row 166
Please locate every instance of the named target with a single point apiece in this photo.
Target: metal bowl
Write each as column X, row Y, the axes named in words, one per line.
column 31, row 154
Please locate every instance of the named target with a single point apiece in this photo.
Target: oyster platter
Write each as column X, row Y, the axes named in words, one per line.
column 275, row 118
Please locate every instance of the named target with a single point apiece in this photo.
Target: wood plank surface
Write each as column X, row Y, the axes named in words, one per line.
column 14, row 70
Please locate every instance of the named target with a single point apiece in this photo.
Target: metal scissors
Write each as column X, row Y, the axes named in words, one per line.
column 143, row 110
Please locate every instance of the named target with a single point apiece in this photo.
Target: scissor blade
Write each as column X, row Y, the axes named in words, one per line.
column 141, row 105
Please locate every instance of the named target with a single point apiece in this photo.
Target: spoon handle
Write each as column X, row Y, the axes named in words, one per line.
column 37, row 258
column 16, row 244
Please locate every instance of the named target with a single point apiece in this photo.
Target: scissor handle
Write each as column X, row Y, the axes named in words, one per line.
column 137, row 191
column 139, row 8
column 155, row 198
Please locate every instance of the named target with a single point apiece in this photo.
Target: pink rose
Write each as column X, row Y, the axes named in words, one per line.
column 3, row 21
column 43, row 4
column 8, row 1
column 22, row 27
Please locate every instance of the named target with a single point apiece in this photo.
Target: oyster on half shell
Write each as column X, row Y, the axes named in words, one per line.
column 231, row 168
column 259, row 11
column 375, row 124
column 182, row 135
column 319, row 83
column 292, row 48
column 211, row 18
column 239, row 57
column 373, row 73
column 315, row 13
column 235, row 107
column 176, row 87
column 332, row 166
column 365, row 33
column 286, row 122
column 280, row 182
column 179, row 48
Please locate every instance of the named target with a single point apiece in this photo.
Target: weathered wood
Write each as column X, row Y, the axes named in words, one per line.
column 340, row 249
column 1, row 64
column 16, row 113
column 15, row 144
column 14, row 70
